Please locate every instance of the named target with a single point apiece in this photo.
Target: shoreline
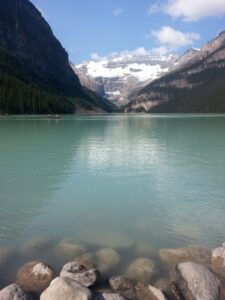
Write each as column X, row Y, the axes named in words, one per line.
column 111, row 273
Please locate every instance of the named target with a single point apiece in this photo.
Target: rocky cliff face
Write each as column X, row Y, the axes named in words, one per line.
column 31, row 58
column 197, row 85
column 116, row 77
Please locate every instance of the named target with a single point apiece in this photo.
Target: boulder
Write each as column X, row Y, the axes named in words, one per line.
column 194, row 282
column 163, row 284
column 157, row 294
column 142, row 269
column 112, row 296
column 121, row 283
column 67, row 250
column 218, row 260
column 195, row 254
column 14, row 292
column 77, row 272
column 87, row 260
column 64, row 288
column 143, row 292
column 35, row 276
column 107, row 259
column 108, row 296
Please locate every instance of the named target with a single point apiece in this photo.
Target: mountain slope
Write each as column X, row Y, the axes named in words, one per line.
column 35, row 75
column 115, row 77
column 196, row 86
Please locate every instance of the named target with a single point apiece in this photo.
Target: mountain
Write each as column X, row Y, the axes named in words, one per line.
column 187, row 56
column 197, row 85
column 35, row 74
column 115, row 77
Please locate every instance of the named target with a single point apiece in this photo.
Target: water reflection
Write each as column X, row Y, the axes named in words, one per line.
column 156, row 179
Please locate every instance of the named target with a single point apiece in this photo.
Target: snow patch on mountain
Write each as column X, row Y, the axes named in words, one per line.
column 115, row 78
column 141, row 67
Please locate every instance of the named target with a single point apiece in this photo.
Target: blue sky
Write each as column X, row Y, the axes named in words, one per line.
column 98, row 28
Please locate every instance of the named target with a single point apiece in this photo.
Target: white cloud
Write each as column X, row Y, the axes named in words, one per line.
column 174, row 39
column 162, row 50
column 96, row 57
column 190, row 10
column 117, row 12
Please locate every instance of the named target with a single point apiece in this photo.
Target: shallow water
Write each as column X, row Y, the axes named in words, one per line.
column 113, row 178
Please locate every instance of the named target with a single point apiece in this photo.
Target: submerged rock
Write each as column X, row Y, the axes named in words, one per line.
column 64, row 288
column 146, row 250
column 87, row 260
column 218, row 260
column 194, row 282
column 121, row 283
column 36, row 247
column 195, row 254
column 79, row 273
column 67, row 250
column 35, row 276
column 5, row 255
column 142, row 269
column 107, row 239
column 14, row 292
column 107, row 259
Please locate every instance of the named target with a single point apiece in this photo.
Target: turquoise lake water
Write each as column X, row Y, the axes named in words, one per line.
column 146, row 178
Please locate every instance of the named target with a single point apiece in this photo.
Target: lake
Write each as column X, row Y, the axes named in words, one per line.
column 109, row 179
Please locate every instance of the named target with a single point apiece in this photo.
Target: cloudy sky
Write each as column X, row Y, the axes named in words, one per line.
column 94, row 29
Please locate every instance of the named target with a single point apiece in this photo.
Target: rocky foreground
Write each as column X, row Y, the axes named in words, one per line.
column 192, row 273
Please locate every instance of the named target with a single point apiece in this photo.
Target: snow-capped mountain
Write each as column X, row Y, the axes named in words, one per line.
column 116, row 77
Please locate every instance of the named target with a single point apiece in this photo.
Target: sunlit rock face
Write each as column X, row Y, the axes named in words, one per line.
column 195, row 85
column 115, row 77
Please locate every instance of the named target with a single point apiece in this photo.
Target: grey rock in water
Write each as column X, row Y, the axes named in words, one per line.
column 112, row 296
column 142, row 270
column 107, row 259
column 121, row 283
column 218, row 260
column 77, row 272
column 87, row 260
column 107, row 239
column 36, row 247
column 64, row 288
column 5, row 255
column 145, row 250
column 144, row 292
column 35, row 276
column 108, row 296
column 163, row 284
column 67, row 250
column 195, row 282
column 195, row 254
column 14, row 292
column 157, row 294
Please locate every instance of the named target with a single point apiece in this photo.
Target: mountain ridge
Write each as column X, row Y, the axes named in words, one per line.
column 115, row 77
column 196, row 86
column 35, row 75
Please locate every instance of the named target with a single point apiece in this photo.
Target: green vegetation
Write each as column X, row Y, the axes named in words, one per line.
column 22, row 92
column 17, row 97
